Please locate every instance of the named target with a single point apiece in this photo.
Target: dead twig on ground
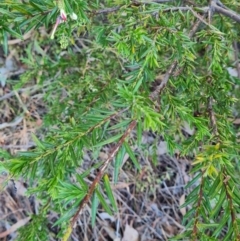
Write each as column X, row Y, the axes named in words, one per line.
column 14, row 227
column 15, row 122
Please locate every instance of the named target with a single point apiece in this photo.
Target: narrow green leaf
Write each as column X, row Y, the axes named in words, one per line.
column 139, row 133
column 193, row 180
column 88, row 171
column 36, row 6
column 52, row 165
column 65, row 217
column 37, row 142
column 138, row 84
column 206, row 203
column 109, row 192
column 222, row 223
column 68, row 7
column 33, row 170
column 229, row 234
column 103, row 202
column 118, row 162
column 5, row 154
column 94, row 207
column 207, row 225
column 215, row 187
column 2, row 168
column 108, row 141
column 6, row 12
column 82, row 182
column 11, row 31
column 191, row 201
column 219, row 204
column 23, row 10
column 120, row 125
column 51, row 15
column 188, row 215
column 29, row 154
column 5, row 43
column 131, row 155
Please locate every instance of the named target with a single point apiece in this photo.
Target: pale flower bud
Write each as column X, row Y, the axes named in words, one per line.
column 73, row 16
column 63, row 15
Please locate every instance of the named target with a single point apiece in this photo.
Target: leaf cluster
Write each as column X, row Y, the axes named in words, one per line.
column 106, row 82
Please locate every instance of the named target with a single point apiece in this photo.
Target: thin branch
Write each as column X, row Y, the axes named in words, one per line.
column 210, row 99
column 230, row 200
column 200, row 198
column 114, row 9
column 15, row 122
column 202, row 19
column 31, row 90
column 15, row 227
column 175, row 9
column 236, row 53
column 25, row 147
column 163, row 83
column 173, row 66
column 24, row 107
column 212, row 116
column 216, row 6
column 154, row 1
column 107, row 10
column 63, row 145
column 226, row 12
column 101, row 173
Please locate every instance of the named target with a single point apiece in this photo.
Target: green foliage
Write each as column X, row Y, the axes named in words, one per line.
column 97, row 89
column 36, row 229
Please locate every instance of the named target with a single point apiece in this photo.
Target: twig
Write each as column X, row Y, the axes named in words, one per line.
column 24, row 37
column 114, row 9
column 14, row 227
column 107, row 10
column 227, row 186
column 202, row 19
column 173, row 66
column 21, row 103
column 154, row 1
column 99, row 177
column 25, row 147
column 226, row 12
column 15, row 122
column 219, row 3
column 170, row 71
column 236, row 52
column 30, row 89
column 176, row 9
column 200, row 198
column 210, row 99
column 212, row 116
column 215, row 6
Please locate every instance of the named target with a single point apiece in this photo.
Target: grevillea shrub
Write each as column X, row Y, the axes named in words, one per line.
column 126, row 67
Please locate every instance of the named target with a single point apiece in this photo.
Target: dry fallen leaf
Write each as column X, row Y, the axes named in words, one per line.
column 105, row 216
column 130, row 234
column 237, row 121
column 181, row 202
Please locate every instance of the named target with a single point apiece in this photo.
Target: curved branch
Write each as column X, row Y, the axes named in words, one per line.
column 99, row 177
column 226, row 12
